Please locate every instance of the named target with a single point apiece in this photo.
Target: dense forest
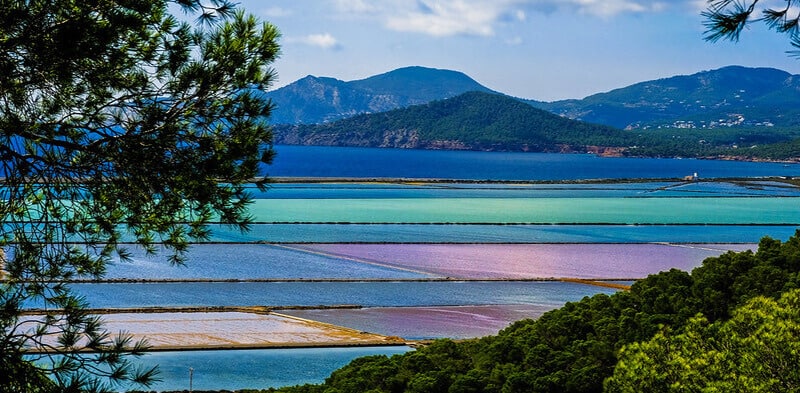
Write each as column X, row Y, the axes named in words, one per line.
column 728, row 316
column 485, row 121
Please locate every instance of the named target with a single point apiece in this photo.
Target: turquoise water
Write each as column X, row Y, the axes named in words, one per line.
column 679, row 210
column 460, row 213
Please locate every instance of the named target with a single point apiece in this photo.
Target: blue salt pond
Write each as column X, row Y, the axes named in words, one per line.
column 368, row 294
column 254, row 369
column 251, row 261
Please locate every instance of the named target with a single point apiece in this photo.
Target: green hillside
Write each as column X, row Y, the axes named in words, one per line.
column 473, row 120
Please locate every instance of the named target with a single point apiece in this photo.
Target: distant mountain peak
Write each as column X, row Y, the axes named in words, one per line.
column 314, row 99
column 751, row 95
column 419, row 73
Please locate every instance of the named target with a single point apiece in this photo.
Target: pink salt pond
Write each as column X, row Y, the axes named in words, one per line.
column 519, row 261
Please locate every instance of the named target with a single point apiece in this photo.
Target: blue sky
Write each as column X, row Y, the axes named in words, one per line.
column 539, row 49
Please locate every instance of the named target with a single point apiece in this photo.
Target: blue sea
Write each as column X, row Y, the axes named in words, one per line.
column 338, row 162
column 663, row 209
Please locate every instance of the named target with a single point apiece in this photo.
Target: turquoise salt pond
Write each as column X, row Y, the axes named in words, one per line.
column 641, row 211
column 454, row 258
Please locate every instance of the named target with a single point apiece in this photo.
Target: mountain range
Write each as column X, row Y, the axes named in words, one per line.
column 729, row 96
column 707, row 114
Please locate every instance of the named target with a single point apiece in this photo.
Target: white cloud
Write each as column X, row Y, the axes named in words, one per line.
column 276, row 12
column 325, row 41
column 603, row 8
column 609, row 7
column 357, row 6
column 442, row 18
column 455, row 17
column 514, row 41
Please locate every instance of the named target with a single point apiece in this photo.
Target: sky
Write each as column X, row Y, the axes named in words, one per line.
column 537, row 49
